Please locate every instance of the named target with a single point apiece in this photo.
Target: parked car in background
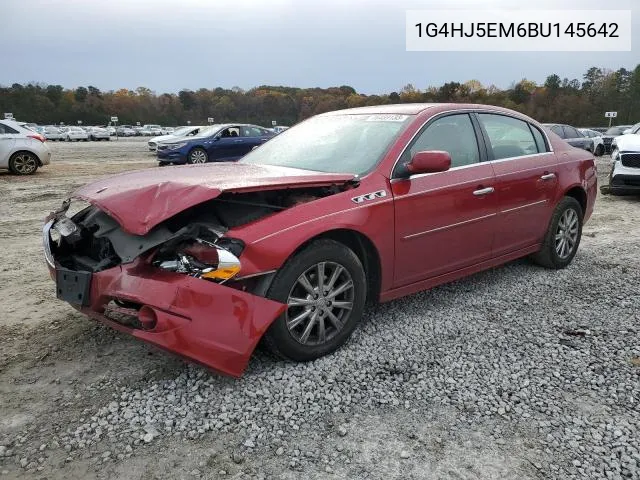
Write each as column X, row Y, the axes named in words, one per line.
column 611, row 133
column 633, row 129
column 98, row 133
column 76, row 134
column 224, row 143
column 286, row 245
column 571, row 135
column 625, row 172
column 22, row 151
column 150, row 130
column 596, row 138
column 53, row 133
column 167, row 130
column 111, row 130
column 598, row 129
column 181, row 132
column 279, row 129
column 126, row 131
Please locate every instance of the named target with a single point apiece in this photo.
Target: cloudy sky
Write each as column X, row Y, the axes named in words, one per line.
column 168, row 45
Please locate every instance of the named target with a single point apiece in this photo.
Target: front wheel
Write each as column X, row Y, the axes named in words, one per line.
column 324, row 287
column 197, row 155
column 563, row 235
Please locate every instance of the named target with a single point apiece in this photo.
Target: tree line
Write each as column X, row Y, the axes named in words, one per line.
column 576, row 102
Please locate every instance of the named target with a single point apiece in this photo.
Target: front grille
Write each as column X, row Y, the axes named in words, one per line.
column 607, row 140
column 631, row 160
column 162, row 147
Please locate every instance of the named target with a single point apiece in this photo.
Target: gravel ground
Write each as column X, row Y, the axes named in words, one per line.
column 518, row 372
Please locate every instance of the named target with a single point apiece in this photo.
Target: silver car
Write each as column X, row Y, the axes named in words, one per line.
column 22, row 150
column 98, row 133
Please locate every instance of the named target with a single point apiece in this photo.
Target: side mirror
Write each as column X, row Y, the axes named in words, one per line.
column 432, row 161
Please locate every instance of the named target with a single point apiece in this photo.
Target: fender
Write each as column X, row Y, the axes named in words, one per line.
column 267, row 249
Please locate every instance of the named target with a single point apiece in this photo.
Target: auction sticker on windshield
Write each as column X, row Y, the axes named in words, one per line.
column 386, row 118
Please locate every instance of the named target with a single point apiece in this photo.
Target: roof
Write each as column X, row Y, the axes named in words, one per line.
column 397, row 109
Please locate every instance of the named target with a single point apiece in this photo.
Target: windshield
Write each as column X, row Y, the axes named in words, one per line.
column 182, row 131
column 206, row 131
column 333, row 144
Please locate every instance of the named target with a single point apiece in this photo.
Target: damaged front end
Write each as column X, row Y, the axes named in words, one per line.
column 177, row 286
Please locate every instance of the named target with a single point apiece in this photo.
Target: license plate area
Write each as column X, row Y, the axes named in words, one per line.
column 73, row 286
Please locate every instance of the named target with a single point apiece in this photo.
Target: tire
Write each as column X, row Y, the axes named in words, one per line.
column 302, row 341
column 23, row 163
column 552, row 254
column 197, row 155
column 599, row 150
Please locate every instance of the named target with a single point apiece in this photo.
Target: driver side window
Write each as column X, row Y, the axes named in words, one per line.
column 453, row 134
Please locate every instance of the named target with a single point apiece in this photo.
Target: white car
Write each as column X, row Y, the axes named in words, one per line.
column 53, row 133
column 166, row 130
column 625, row 171
column 177, row 133
column 22, row 150
column 75, row 134
column 598, row 143
column 98, row 133
column 150, row 130
column 279, row 128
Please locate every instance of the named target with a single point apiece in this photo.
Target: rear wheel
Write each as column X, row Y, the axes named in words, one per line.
column 563, row 235
column 324, row 287
column 197, row 155
column 23, row 163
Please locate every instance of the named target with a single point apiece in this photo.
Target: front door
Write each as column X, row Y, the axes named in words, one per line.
column 444, row 221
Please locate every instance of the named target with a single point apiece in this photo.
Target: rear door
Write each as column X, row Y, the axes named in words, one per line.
column 526, row 180
column 444, row 221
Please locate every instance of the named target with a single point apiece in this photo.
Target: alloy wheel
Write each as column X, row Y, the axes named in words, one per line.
column 198, row 156
column 320, row 303
column 25, row 163
column 567, row 233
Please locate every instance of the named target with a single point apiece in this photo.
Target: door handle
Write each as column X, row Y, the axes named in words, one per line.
column 483, row 191
column 237, row 141
column 548, row 176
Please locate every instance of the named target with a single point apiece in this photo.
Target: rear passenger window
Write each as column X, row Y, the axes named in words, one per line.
column 539, row 138
column 508, row 136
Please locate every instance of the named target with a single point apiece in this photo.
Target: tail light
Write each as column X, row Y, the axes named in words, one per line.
column 37, row 136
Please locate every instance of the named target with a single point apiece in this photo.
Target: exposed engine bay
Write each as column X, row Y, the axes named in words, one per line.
column 192, row 242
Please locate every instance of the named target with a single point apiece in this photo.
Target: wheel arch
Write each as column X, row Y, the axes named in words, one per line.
column 364, row 249
column 24, row 150
column 579, row 194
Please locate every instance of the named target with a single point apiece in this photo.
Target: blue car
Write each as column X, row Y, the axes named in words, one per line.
column 220, row 143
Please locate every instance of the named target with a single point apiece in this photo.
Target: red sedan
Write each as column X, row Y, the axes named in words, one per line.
column 289, row 243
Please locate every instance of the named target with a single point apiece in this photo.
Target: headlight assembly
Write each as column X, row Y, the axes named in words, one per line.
column 176, row 146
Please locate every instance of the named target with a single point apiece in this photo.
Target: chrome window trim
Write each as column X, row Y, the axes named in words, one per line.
column 442, row 187
column 468, row 110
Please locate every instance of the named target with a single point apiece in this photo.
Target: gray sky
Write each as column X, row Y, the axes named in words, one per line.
column 168, row 45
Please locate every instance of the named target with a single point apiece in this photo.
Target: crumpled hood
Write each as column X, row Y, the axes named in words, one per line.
column 628, row 143
column 142, row 199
